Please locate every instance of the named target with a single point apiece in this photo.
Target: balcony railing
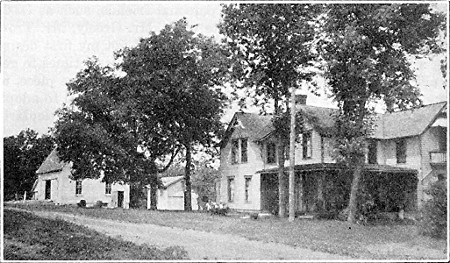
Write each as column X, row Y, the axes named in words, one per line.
column 438, row 157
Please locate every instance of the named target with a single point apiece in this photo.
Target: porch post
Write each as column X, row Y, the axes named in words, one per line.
column 300, row 192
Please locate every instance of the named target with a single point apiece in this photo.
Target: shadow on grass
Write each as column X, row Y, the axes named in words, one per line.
column 28, row 237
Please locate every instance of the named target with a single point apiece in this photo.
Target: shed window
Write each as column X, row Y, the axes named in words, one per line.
column 78, row 187
column 271, row 152
column 400, row 147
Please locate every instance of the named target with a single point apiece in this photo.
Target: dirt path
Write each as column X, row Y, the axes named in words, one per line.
column 200, row 245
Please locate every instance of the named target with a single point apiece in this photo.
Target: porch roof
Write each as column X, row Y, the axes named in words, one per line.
column 335, row 166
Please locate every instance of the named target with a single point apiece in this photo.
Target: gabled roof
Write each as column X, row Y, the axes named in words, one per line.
column 387, row 126
column 407, row 123
column 321, row 118
column 248, row 125
column 51, row 164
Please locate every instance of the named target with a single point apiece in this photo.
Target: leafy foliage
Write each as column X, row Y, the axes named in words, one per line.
column 269, row 46
column 271, row 49
column 23, row 154
column 434, row 221
column 167, row 98
column 366, row 50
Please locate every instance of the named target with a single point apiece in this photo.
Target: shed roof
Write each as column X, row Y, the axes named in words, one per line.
column 51, row 164
column 168, row 181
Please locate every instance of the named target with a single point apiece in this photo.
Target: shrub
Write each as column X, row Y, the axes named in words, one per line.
column 434, row 213
column 217, row 209
column 82, row 203
column 98, row 204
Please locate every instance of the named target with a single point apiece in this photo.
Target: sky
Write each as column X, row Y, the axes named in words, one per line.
column 44, row 45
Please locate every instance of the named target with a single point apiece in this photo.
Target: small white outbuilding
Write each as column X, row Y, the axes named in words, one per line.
column 171, row 195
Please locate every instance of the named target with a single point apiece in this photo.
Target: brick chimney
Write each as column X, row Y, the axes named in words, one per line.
column 300, row 99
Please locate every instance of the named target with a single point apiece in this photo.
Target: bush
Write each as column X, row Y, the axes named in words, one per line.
column 217, row 209
column 434, row 213
column 98, row 204
column 82, row 203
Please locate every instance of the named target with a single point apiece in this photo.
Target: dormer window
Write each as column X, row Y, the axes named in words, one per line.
column 305, row 139
column 271, row 152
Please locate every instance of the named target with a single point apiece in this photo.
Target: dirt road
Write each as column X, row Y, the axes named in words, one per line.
column 200, row 245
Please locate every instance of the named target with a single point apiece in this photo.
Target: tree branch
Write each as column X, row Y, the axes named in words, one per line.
column 174, row 153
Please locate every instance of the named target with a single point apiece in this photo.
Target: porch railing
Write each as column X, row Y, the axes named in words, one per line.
column 438, row 157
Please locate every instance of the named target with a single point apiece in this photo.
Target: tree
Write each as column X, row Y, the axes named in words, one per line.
column 23, row 154
column 112, row 129
column 188, row 70
column 367, row 50
column 270, row 45
column 127, row 126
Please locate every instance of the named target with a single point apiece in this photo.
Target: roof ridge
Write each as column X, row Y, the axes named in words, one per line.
column 412, row 109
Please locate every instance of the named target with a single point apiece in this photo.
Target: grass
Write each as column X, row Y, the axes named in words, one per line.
column 319, row 235
column 28, row 237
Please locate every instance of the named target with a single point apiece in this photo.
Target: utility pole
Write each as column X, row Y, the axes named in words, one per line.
column 292, row 158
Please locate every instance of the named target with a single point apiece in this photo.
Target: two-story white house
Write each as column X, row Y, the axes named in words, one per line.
column 54, row 184
column 407, row 151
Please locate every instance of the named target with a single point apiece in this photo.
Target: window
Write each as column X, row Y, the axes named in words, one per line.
column 234, row 151
column 48, row 189
column 400, row 147
column 286, row 152
column 271, row 152
column 248, row 180
column 230, row 189
column 108, row 188
column 244, row 151
column 239, row 150
column 306, row 145
column 372, row 155
column 78, row 187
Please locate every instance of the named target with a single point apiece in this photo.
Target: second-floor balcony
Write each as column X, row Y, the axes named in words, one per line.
column 438, row 157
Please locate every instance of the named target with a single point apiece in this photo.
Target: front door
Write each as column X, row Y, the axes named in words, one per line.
column 48, row 189
column 120, row 199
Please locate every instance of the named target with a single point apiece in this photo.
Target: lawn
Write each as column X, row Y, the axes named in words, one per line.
column 28, row 237
column 319, row 235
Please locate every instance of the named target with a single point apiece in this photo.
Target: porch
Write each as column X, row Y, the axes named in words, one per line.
column 326, row 187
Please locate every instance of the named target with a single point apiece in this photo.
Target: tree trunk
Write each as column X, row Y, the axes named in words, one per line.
column 282, row 195
column 153, row 186
column 353, row 202
column 187, row 178
column 292, row 159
